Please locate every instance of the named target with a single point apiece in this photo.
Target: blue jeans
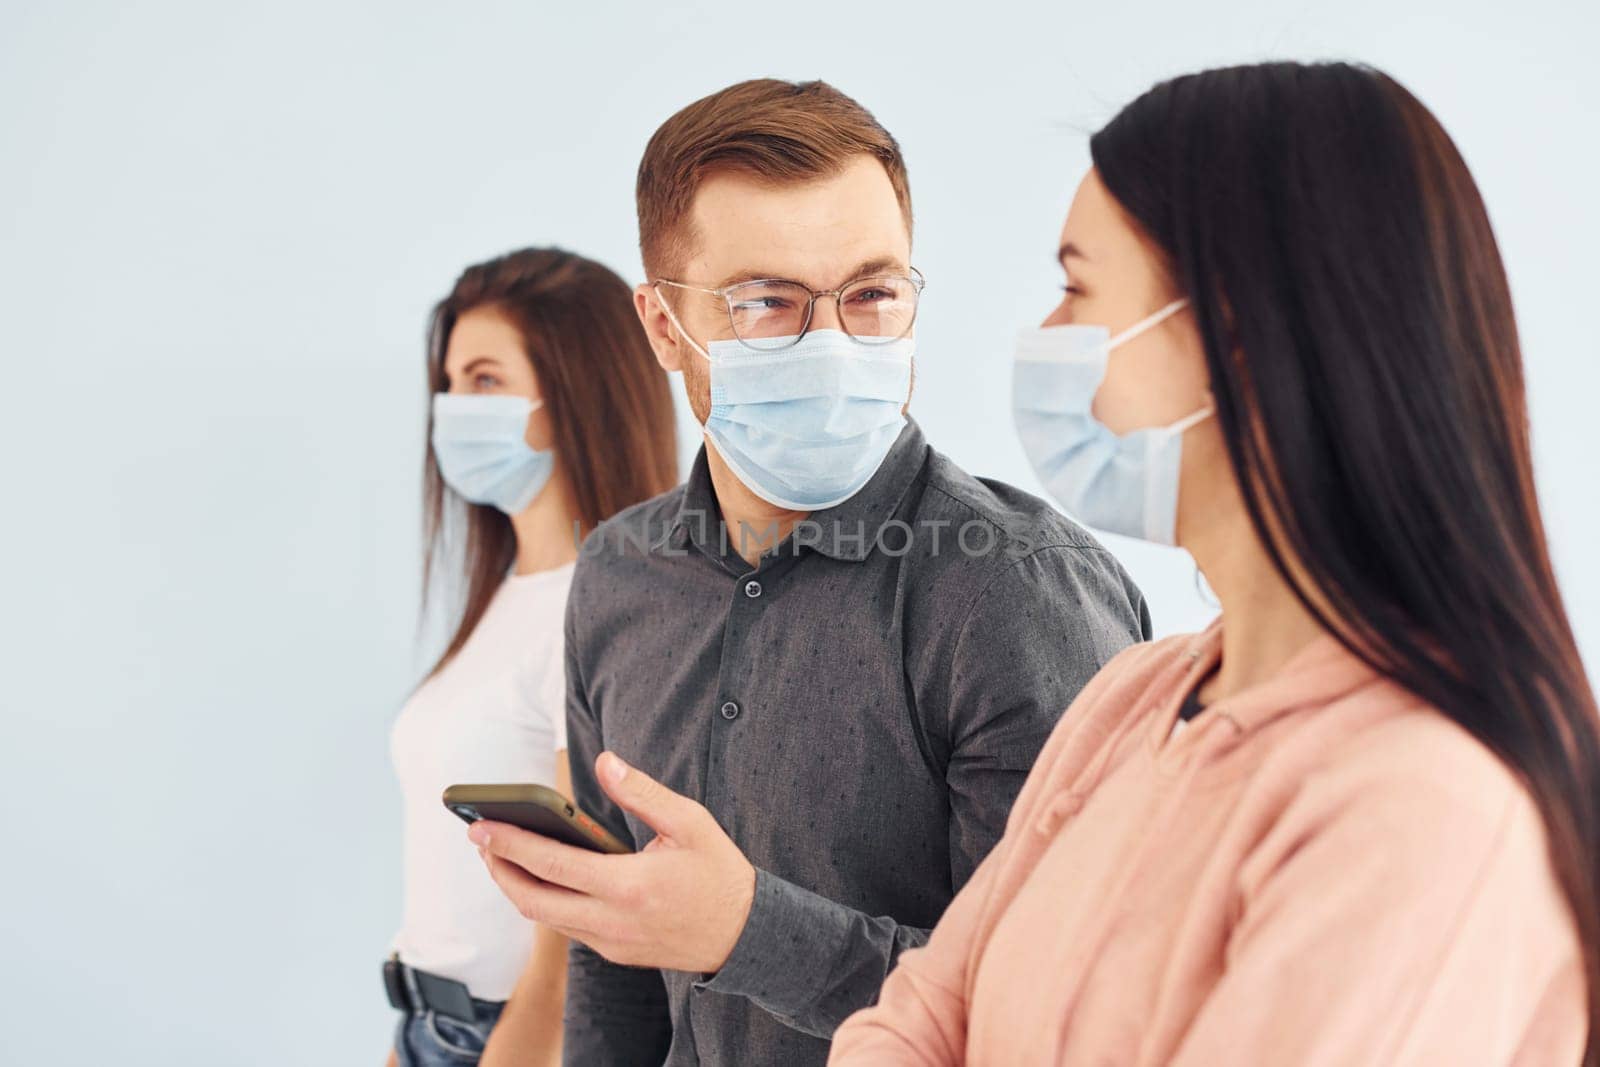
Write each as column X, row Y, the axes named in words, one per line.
column 428, row 1039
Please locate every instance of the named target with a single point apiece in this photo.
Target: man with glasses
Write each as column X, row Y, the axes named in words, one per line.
column 808, row 683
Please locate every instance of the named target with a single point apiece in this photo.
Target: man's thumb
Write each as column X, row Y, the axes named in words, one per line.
column 669, row 814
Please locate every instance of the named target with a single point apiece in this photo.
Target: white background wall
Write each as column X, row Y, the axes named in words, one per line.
column 221, row 231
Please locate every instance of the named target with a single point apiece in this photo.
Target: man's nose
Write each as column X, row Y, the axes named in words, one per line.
column 825, row 313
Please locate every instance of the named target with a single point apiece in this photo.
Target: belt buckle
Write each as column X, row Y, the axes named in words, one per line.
column 445, row 996
column 394, row 983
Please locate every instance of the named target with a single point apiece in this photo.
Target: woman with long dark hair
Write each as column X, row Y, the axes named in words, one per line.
column 549, row 414
column 1357, row 821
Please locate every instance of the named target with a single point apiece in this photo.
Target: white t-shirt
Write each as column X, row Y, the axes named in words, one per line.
column 495, row 713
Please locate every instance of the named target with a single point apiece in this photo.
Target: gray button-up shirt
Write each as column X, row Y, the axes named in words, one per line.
column 858, row 712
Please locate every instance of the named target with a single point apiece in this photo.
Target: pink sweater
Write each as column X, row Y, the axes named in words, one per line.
column 1318, row 870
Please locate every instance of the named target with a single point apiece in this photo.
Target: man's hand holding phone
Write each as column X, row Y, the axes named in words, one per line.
column 679, row 904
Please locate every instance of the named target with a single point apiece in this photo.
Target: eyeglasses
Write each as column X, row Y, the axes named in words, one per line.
column 771, row 314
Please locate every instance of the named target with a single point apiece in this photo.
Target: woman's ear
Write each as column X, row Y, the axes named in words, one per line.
column 664, row 339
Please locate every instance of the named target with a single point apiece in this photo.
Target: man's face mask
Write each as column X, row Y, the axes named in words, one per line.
column 806, row 424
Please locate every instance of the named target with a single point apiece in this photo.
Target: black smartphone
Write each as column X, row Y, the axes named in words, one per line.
column 532, row 807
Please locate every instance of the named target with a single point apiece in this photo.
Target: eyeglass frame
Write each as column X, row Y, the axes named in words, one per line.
column 918, row 283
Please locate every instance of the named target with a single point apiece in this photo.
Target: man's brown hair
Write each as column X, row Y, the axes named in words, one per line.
column 774, row 130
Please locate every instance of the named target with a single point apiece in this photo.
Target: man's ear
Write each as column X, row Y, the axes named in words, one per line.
column 664, row 339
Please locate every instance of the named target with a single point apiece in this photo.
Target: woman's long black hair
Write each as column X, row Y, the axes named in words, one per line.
column 1363, row 354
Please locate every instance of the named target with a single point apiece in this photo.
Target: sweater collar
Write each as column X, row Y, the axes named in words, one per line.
column 1320, row 673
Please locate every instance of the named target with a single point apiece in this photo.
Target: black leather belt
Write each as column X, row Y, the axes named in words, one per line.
column 411, row 990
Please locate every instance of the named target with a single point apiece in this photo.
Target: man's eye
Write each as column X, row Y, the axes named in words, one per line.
column 873, row 295
column 762, row 303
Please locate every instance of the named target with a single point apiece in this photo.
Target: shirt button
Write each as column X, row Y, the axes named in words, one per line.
column 730, row 710
column 752, row 589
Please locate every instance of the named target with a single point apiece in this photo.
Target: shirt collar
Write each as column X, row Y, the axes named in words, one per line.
column 1320, row 673
column 847, row 531
column 697, row 506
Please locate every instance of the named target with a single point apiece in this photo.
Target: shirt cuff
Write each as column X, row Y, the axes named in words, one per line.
column 786, row 951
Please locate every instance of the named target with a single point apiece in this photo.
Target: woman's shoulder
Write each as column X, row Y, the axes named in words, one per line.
column 538, row 597
column 1121, row 688
column 1416, row 749
column 1422, row 793
column 1118, row 689
column 1144, row 659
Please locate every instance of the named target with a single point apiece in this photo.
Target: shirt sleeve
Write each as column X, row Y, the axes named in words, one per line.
column 541, row 686
column 1032, row 641
column 614, row 1015
column 1043, row 627
column 920, row 1018
column 553, row 690
column 808, row 960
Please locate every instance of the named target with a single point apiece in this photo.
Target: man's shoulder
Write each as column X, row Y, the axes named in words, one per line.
column 660, row 511
column 1019, row 522
column 631, row 533
column 1001, row 546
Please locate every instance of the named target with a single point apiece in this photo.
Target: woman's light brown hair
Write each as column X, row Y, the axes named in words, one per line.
column 609, row 404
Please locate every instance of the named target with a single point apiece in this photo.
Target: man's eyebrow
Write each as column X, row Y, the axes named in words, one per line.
column 881, row 265
column 1069, row 251
column 740, row 277
column 866, row 269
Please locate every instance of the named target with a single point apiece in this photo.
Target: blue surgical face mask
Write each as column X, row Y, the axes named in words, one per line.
column 480, row 443
column 805, row 427
column 1125, row 484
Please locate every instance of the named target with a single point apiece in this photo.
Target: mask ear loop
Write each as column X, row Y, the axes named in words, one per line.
column 1187, row 421
column 676, row 325
column 1150, row 322
column 1155, row 439
column 1147, row 323
column 911, row 384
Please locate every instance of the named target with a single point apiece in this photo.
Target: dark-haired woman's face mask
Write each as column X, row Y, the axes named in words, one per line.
column 1105, row 390
column 1125, row 484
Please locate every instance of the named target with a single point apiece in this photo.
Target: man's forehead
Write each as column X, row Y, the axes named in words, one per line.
column 819, row 232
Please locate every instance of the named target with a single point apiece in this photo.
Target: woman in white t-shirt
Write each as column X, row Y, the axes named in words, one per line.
column 549, row 414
